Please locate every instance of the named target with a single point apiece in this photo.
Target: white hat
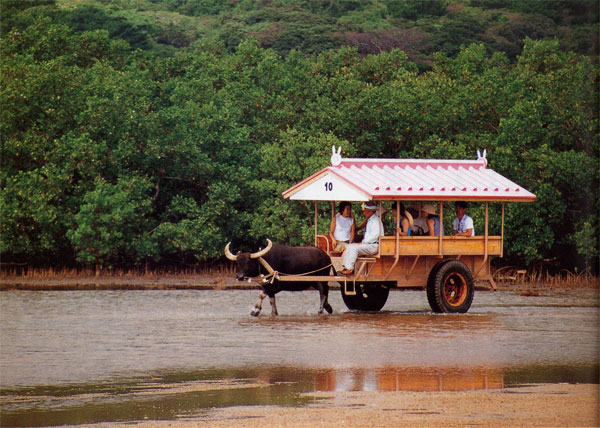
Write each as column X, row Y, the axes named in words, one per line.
column 369, row 206
column 429, row 209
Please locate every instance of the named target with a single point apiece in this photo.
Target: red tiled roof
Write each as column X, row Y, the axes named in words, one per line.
column 410, row 179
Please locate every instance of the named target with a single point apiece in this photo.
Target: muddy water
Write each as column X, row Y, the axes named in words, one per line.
column 70, row 357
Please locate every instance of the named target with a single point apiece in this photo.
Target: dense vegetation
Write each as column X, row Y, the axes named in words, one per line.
column 137, row 131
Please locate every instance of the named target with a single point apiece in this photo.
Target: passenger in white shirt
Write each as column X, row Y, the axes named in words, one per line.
column 463, row 224
column 342, row 228
column 370, row 243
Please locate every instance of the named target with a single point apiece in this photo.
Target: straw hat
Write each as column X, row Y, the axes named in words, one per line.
column 429, row 209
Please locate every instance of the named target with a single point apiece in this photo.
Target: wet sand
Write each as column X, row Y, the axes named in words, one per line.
column 548, row 405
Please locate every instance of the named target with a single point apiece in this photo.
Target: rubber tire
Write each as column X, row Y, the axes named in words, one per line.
column 431, row 287
column 351, row 302
column 453, row 287
column 369, row 297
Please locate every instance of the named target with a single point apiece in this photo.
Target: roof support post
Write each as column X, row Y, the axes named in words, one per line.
column 440, row 247
column 485, row 241
column 486, row 229
column 397, row 229
column 316, row 221
column 381, row 232
column 502, row 233
column 397, row 234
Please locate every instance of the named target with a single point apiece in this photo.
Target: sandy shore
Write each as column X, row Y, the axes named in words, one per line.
column 196, row 282
column 205, row 282
column 215, row 282
column 549, row 405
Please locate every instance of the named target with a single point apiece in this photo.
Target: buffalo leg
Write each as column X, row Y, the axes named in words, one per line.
column 258, row 305
column 273, row 306
column 324, row 294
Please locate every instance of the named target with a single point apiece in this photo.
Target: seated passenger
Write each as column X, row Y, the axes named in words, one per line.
column 406, row 220
column 358, row 237
column 419, row 227
column 433, row 221
column 342, row 227
column 370, row 244
column 463, row 224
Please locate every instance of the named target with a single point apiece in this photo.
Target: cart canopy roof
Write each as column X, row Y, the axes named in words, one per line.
column 408, row 179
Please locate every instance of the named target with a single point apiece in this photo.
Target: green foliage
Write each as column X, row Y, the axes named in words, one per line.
column 586, row 241
column 314, row 26
column 112, row 155
column 111, row 222
column 90, row 18
column 414, row 9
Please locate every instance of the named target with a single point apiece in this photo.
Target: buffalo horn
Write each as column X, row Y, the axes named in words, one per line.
column 262, row 252
column 228, row 253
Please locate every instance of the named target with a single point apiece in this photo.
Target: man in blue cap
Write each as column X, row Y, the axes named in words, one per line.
column 370, row 243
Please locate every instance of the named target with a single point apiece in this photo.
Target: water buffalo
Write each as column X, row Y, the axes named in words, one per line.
column 284, row 260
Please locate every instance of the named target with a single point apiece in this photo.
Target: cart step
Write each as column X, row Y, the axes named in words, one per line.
column 349, row 287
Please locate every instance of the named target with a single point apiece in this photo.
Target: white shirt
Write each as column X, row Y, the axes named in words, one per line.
column 464, row 224
column 343, row 227
column 372, row 230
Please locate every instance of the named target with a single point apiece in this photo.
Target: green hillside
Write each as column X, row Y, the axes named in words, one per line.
column 139, row 131
column 419, row 28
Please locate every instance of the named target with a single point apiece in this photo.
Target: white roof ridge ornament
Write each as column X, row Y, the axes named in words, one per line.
column 482, row 158
column 336, row 158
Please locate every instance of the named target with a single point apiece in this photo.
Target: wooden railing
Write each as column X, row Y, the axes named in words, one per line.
column 429, row 245
column 451, row 245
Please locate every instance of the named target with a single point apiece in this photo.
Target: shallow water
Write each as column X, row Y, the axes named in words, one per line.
column 69, row 357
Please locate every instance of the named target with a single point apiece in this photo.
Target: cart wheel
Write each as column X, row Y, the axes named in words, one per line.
column 373, row 296
column 431, row 287
column 369, row 297
column 351, row 302
column 453, row 287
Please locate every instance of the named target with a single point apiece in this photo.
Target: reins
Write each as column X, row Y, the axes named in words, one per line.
column 273, row 274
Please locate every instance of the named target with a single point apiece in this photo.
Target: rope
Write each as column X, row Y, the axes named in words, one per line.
column 275, row 273
column 306, row 273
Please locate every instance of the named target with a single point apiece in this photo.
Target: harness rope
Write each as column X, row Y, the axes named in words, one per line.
column 306, row 273
column 273, row 274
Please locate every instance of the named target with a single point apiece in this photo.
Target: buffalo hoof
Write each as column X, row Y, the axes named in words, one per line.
column 328, row 308
column 255, row 312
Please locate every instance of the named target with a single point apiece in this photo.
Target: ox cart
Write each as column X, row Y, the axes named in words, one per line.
column 445, row 266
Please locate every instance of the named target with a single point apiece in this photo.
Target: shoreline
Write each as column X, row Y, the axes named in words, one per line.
column 542, row 405
column 215, row 282
column 124, row 284
column 128, row 282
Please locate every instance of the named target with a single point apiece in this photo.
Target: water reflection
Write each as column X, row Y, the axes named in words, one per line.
column 385, row 323
column 176, row 395
column 411, row 379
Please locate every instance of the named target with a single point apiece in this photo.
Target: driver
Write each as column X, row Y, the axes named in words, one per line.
column 370, row 243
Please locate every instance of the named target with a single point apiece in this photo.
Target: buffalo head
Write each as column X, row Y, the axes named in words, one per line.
column 247, row 263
